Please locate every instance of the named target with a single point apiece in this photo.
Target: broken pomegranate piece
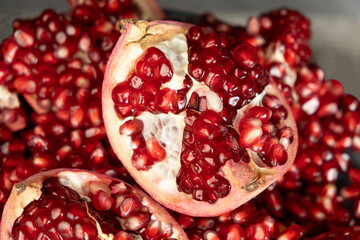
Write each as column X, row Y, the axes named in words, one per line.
column 74, row 204
column 194, row 117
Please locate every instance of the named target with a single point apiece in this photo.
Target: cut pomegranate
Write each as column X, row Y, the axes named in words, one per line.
column 220, row 130
column 74, row 204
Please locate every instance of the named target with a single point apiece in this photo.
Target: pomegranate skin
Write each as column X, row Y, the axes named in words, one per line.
column 246, row 180
column 30, row 189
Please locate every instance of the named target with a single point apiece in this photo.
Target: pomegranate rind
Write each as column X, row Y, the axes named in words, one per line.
column 246, row 180
column 30, row 189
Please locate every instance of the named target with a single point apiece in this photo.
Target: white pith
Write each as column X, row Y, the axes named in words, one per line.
column 168, row 129
column 8, row 99
column 175, row 51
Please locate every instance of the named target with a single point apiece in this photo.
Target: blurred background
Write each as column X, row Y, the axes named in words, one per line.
column 335, row 26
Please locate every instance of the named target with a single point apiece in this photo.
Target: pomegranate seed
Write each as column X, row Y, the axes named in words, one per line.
column 122, row 236
column 137, row 221
column 155, row 150
column 246, row 55
column 244, row 214
column 250, row 132
column 9, row 50
column 257, row 231
column 294, row 232
column 211, row 235
column 354, row 175
column 153, row 230
column 24, row 37
column 141, row 159
column 102, row 201
column 235, row 232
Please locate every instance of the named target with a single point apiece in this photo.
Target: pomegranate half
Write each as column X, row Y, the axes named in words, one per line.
column 194, row 117
column 77, row 204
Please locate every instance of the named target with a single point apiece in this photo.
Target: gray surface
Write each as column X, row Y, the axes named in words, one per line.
column 335, row 25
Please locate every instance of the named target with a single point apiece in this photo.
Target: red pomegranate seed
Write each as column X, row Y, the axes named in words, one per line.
column 235, row 232
column 211, row 235
column 294, row 232
column 9, row 50
column 24, row 37
column 102, row 201
column 278, row 155
column 354, row 175
column 246, row 55
column 122, row 236
column 257, row 231
column 153, row 230
column 155, row 149
column 350, row 192
column 274, row 202
column 130, row 206
column 250, row 132
column 186, row 222
column 137, row 221
column 141, row 159
column 244, row 214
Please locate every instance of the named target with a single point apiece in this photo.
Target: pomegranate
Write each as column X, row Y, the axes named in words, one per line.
column 194, row 117
column 74, row 204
